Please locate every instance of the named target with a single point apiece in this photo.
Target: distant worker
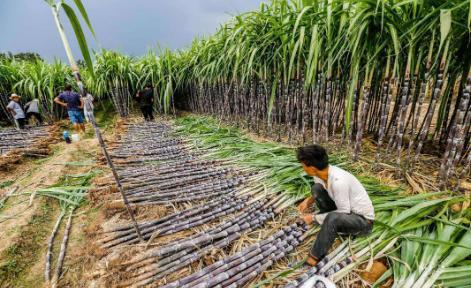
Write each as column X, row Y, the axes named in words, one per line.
column 88, row 104
column 32, row 110
column 343, row 203
column 146, row 102
column 74, row 104
column 16, row 111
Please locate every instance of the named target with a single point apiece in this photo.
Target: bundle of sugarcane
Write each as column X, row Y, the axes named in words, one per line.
column 158, row 177
column 11, row 138
column 197, row 185
column 33, row 142
column 147, row 172
column 157, row 263
column 239, row 269
column 162, row 184
column 184, row 220
column 193, row 182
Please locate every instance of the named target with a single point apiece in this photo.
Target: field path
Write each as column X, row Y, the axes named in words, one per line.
column 20, row 213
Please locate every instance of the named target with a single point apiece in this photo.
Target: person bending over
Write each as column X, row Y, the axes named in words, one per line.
column 32, row 110
column 74, row 104
column 343, row 204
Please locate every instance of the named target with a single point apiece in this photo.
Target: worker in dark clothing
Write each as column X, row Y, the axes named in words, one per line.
column 74, row 104
column 146, row 102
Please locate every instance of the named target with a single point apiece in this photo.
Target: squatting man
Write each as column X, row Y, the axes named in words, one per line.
column 343, row 205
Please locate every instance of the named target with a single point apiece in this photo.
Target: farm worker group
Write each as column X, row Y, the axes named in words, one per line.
column 76, row 106
column 343, row 204
column 72, row 101
column 32, row 111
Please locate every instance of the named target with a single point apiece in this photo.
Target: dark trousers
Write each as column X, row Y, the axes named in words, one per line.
column 335, row 223
column 38, row 117
column 21, row 123
column 147, row 113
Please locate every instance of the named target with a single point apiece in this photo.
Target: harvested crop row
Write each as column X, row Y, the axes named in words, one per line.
column 207, row 220
column 15, row 144
column 226, row 198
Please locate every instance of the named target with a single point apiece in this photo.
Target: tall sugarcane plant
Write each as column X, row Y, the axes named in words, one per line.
column 391, row 70
column 56, row 8
column 115, row 76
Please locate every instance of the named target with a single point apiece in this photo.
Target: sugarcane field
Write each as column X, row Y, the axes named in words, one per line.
column 235, row 143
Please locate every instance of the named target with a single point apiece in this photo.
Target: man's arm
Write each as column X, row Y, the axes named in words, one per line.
column 341, row 193
column 58, row 101
column 12, row 111
column 81, row 103
column 306, row 204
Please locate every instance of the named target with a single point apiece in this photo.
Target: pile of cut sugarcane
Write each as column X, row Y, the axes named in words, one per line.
column 219, row 195
column 16, row 143
column 158, row 168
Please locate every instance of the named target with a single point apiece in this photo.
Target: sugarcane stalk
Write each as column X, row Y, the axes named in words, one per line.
column 50, row 244
column 176, row 227
column 402, row 117
column 455, row 141
column 433, row 101
column 90, row 115
column 365, row 104
column 60, row 259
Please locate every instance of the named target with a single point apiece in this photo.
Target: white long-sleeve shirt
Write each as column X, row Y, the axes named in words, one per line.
column 348, row 194
column 32, row 106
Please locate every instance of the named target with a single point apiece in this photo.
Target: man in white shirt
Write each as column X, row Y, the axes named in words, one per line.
column 32, row 110
column 343, row 203
column 88, row 105
column 15, row 109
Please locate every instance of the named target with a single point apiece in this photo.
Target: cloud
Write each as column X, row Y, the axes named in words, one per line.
column 127, row 26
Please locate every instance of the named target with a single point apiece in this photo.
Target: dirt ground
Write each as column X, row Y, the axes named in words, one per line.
column 27, row 221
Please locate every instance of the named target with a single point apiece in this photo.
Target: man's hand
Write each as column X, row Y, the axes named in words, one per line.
column 58, row 101
column 305, row 204
column 308, row 219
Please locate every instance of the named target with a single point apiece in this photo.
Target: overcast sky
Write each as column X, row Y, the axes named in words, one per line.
column 129, row 26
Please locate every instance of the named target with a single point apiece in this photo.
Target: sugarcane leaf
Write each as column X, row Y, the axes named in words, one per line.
column 383, row 278
column 416, row 209
column 447, row 222
column 82, row 41
column 458, row 282
column 461, row 252
column 83, row 11
column 272, row 96
column 281, row 275
column 455, row 272
column 299, row 18
column 437, row 242
column 469, row 16
column 445, row 25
